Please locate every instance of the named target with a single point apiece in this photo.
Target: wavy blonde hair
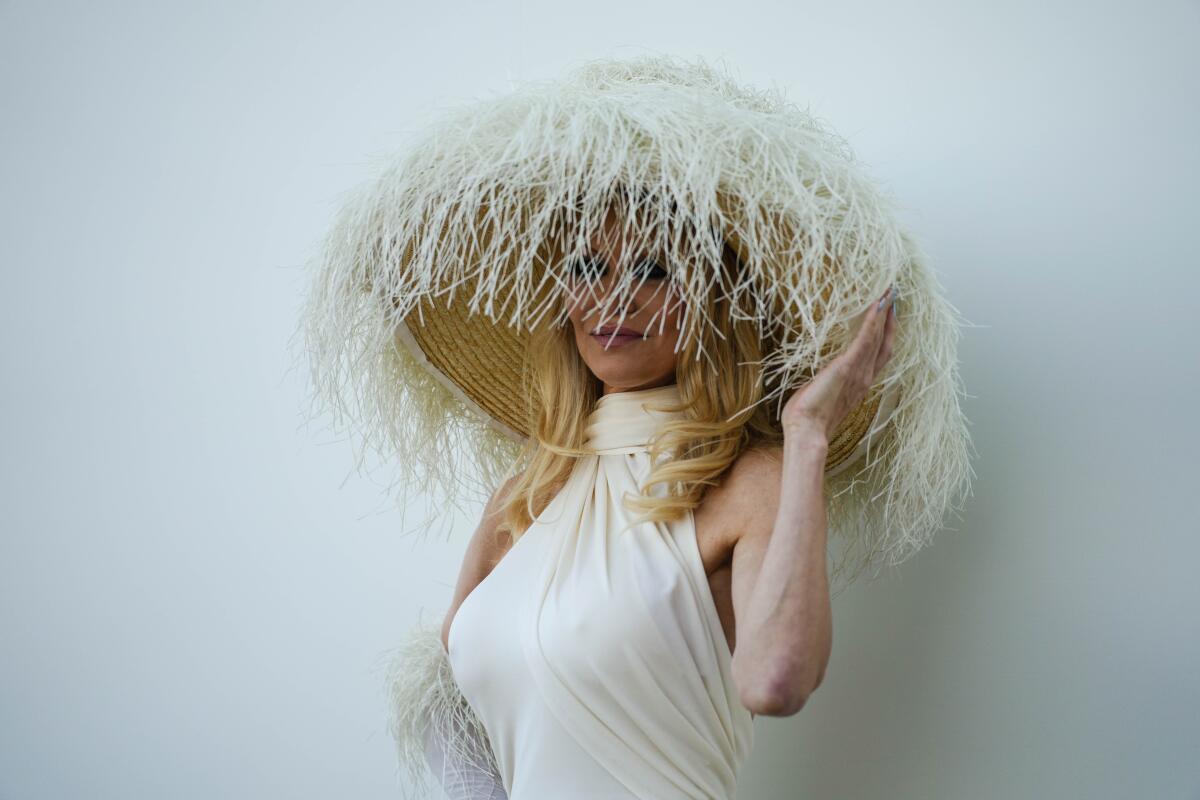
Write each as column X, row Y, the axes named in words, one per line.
column 699, row 448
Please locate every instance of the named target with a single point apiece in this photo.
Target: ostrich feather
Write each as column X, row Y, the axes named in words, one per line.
column 440, row 741
column 463, row 212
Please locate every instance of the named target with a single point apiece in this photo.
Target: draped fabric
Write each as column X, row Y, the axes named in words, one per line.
column 593, row 652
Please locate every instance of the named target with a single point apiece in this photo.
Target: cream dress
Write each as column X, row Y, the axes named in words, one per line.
column 593, row 653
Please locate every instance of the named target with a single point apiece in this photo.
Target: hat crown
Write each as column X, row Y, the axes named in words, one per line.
column 621, row 422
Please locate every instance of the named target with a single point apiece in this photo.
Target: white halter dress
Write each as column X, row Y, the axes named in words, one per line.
column 594, row 656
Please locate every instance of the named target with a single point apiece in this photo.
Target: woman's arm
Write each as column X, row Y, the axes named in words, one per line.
column 484, row 551
column 779, row 585
column 437, row 732
column 780, row 589
column 467, row 770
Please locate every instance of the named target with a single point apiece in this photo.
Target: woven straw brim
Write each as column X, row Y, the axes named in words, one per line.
column 483, row 362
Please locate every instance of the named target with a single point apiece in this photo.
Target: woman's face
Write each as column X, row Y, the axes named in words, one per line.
column 645, row 357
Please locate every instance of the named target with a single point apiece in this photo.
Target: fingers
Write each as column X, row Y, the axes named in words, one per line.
column 871, row 333
column 872, row 343
column 871, row 346
column 889, row 334
column 881, row 315
column 882, row 311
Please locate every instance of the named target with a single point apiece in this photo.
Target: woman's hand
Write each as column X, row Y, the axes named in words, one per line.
column 820, row 405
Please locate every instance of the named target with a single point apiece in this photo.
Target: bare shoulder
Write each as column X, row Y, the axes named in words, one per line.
column 484, row 550
column 748, row 496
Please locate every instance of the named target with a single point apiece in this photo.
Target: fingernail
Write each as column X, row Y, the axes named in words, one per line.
column 885, row 298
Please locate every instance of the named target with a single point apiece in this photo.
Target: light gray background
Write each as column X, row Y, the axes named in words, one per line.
column 194, row 598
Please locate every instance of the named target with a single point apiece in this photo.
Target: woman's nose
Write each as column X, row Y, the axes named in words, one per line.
column 609, row 286
column 605, row 285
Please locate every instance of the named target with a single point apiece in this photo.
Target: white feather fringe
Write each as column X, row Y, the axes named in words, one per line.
column 438, row 735
column 688, row 133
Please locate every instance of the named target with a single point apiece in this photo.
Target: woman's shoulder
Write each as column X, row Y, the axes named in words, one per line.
column 493, row 514
column 758, row 464
column 747, row 494
column 484, row 550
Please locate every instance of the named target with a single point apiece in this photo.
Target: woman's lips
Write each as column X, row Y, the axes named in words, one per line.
column 616, row 339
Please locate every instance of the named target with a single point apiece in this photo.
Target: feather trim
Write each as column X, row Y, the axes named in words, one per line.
column 425, row 700
column 818, row 241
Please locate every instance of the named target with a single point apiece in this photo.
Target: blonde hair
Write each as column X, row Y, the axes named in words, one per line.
column 699, row 447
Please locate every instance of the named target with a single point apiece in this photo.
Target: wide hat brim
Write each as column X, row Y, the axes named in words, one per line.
column 483, row 362
column 434, row 273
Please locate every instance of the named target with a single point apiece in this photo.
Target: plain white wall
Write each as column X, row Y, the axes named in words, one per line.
column 195, row 599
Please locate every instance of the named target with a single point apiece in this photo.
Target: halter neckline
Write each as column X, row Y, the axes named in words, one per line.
column 620, row 422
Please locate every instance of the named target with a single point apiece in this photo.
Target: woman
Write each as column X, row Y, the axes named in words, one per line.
column 761, row 540
column 646, row 308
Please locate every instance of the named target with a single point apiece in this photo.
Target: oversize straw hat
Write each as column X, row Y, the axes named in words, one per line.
column 428, row 284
